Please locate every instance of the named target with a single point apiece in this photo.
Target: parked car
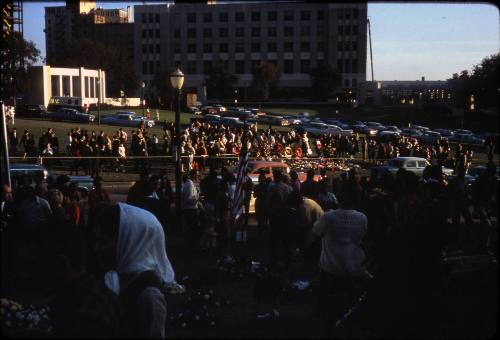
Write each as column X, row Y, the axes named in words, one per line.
column 445, row 132
column 375, row 125
column 211, row 118
column 36, row 111
column 71, row 115
column 413, row 164
column 194, row 110
column 303, row 115
column 208, row 110
column 275, row 120
column 239, row 113
column 338, row 123
column 359, row 127
column 219, row 108
column 319, row 128
column 462, row 131
column 386, row 136
column 429, row 137
column 420, row 127
column 256, row 111
column 124, row 118
column 411, row 132
column 231, row 122
column 466, row 138
column 392, row 128
column 293, row 120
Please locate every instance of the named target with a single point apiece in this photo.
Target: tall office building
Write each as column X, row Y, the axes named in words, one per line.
column 83, row 19
column 296, row 36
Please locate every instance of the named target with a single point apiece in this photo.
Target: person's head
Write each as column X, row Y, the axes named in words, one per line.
column 262, row 177
column 294, row 175
column 55, row 198
column 310, row 174
column 6, row 193
column 154, row 184
column 277, row 175
column 193, row 174
column 287, row 179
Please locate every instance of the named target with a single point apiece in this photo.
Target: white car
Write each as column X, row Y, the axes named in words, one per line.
column 429, row 137
column 318, row 128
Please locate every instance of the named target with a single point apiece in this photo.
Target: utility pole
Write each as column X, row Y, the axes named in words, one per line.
column 370, row 37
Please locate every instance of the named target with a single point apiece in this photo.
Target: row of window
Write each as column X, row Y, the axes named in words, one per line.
column 256, row 47
column 347, row 46
column 347, row 13
column 151, row 33
column 256, row 16
column 347, row 65
column 239, row 32
column 150, row 17
column 347, row 30
column 151, row 48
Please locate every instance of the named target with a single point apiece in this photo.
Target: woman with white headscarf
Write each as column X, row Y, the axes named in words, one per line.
column 131, row 250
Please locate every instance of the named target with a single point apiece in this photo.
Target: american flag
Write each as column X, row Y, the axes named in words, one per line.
column 239, row 192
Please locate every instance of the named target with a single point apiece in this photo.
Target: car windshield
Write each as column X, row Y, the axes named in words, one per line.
column 396, row 163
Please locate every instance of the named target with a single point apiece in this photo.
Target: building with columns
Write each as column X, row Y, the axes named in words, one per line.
column 48, row 81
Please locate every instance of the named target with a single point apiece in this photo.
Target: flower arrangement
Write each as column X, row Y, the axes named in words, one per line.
column 17, row 318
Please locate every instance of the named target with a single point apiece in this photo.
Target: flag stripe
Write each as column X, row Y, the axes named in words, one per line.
column 239, row 193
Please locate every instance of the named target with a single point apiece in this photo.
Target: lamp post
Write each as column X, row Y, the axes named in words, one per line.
column 177, row 80
column 411, row 114
column 98, row 101
column 143, row 85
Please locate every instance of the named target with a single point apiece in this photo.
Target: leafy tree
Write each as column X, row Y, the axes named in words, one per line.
column 220, row 82
column 163, row 88
column 17, row 55
column 325, row 79
column 265, row 76
column 120, row 72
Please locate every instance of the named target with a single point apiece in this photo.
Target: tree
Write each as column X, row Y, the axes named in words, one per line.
column 265, row 75
column 163, row 87
column 17, row 55
column 120, row 72
column 325, row 79
column 220, row 83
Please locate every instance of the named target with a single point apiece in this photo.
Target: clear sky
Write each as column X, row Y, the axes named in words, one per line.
column 410, row 40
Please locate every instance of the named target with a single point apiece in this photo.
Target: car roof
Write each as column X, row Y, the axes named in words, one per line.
column 409, row 158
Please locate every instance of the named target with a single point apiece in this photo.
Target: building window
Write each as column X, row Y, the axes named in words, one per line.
column 151, row 67
column 157, row 33
column 305, row 15
column 340, row 46
column 305, row 66
column 320, row 30
column 288, row 31
column 354, row 66
column 272, row 16
column 321, row 15
column 239, row 16
column 207, row 66
column 207, row 48
column 347, row 46
column 305, row 46
column 223, row 17
column 354, row 82
column 340, row 30
column 207, row 17
column 157, row 18
column 320, row 47
column 151, row 33
column 347, row 66
column 151, row 48
column 177, row 48
column 255, row 47
column 289, row 46
column 177, row 33
column 346, row 83
column 191, row 67
column 288, row 15
column 151, row 17
column 340, row 65
column 223, row 48
column 255, row 16
column 191, row 18
column 143, row 18
column 239, row 66
column 239, row 47
column 157, row 48
column 354, row 45
column 207, row 33
column 144, row 33
column 144, row 69
column 255, row 32
column 144, row 48
column 191, row 33
column 191, row 48
column 271, row 47
column 348, row 30
column 305, row 30
column 240, row 32
column 340, row 14
column 271, row 31
column 223, row 32
column 347, row 14
column 288, row 66
column 355, row 13
column 355, row 29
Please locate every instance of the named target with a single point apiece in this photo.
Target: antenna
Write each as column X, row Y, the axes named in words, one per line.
column 370, row 37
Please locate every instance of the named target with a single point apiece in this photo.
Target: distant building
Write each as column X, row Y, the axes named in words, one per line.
column 72, row 82
column 390, row 92
column 66, row 24
column 296, row 36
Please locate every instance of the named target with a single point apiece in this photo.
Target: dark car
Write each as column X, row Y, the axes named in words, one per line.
column 71, row 115
column 36, row 111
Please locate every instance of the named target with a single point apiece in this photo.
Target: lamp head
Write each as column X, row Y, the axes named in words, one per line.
column 177, row 79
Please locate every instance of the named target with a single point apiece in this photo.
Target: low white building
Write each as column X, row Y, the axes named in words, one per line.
column 50, row 81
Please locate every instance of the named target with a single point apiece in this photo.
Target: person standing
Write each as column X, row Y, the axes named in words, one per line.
column 190, row 199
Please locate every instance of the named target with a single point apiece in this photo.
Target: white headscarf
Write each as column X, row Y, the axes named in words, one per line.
column 141, row 247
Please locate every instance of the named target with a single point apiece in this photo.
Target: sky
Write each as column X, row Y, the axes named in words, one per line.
column 410, row 40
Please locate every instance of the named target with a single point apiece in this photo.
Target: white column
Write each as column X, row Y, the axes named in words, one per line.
column 71, row 86
column 103, row 84
column 60, row 86
column 82, row 83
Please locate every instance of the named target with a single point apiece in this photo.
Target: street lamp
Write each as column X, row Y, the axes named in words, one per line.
column 177, row 80
column 143, row 85
column 98, row 101
column 411, row 114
